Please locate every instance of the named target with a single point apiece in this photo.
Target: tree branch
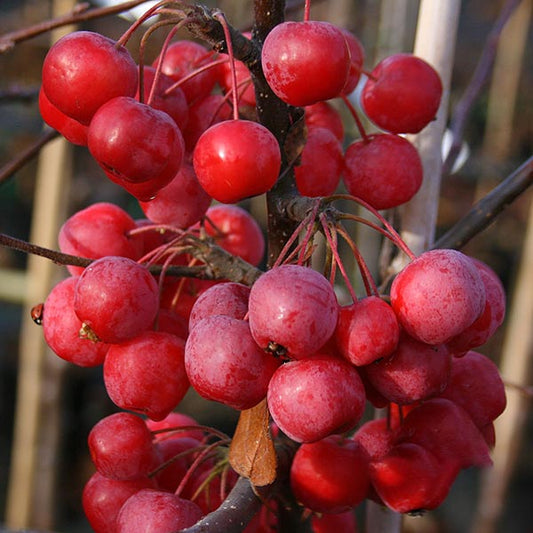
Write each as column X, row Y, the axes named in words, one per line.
column 479, row 78
column 488, row 208
column 26, row 156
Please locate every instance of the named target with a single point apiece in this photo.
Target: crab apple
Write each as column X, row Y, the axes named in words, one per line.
column 446, row 429
column 147, row 373
column 490, row 319
column 311, row 399
column 411, row 479
column 384, row 170
column 172, row 103
column 182, row 58
column 402, row 94
column 181, row 203
column 305, row 62
column 84, row 70
column 177, row 455
column 237, row 231
column 203, row 114
column 103, row 497
column 121, row 447
column 375, row 438
column 170, row 322
column 319, row 171
column 134, row 141
column 324, row 115
column 330, row 475
column 61, row 328
column 245, row 88
column 236, row 159
column 225, row 365
column 174, row 421
column 357, row 58
column 476, row 385
column 229, row 299
column 293, row 307
column 367, row 330
column 96, row 231
column 71, row 129
column 156, row 511
column 438, row 295
column 334, row 522
column 116, row 298
column 415, row 371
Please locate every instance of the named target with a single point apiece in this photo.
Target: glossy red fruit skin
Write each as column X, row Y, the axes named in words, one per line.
column 236, row 159
column 202, row 115
column 103, row 497
column 330, row 475
column 156, row 511
column 375, row 438
column 225, row 365
column 476, row 385
column 173, row 104
column 367, row 330
column 415, row 371
column 61, row 328
column 411, row 479
column 121, row 447
column 384, row 170
column 127, row 303
column 490, row 319
column 324, row 115
column 403, row 94
column 229, row 299
column 181, row 203
column 294, row 307
column 334, row 522
column 438, row 295
column 71, row 129
column 319, row 171
column 311, row 399
column 98, row 230
column 237, row 231
column 84, row 70
column 177, row 421
column 447, row 430
column 183, row 57
column 134, row 141
column 147, row 374
column 357, row 58
column 305, row 62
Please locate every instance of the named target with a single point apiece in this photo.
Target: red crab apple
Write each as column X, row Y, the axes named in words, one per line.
column 127, row 303
column 236, row 159
column 293, row 311
column 306, row 62
column 84, row 70
column 438, row 295
column 402, row 94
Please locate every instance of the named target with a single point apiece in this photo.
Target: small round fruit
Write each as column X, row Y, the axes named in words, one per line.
column 305, row 62
column 84, row 70
column 236, row 159
column 402, row 94
column 438, row 295
column 294, row 308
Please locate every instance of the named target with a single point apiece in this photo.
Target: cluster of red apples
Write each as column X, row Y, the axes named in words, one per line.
column 174, row 138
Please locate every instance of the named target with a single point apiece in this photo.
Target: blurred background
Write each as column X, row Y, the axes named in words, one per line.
column 51, row 406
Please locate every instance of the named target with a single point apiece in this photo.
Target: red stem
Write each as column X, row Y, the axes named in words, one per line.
column 356, row 118
column 229, row 44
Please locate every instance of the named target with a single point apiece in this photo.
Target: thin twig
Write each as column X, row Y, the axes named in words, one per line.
column 488, row 208
column 27, row 155
column 478, row 81
column 81, row 13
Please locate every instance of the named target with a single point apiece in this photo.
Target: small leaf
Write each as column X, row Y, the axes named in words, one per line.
column 252, row 454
